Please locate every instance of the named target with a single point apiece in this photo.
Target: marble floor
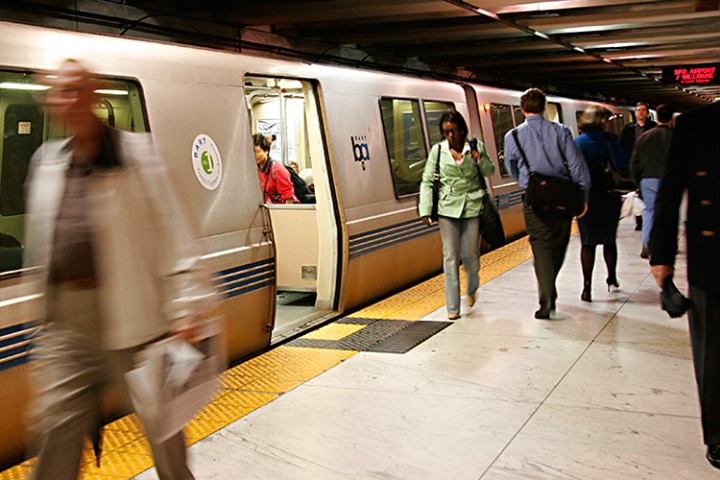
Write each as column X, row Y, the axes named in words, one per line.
column 605, row 390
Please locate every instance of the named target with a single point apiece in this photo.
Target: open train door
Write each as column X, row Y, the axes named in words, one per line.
column 305, row 235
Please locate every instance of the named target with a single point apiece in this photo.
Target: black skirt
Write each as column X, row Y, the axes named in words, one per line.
column 599, row 225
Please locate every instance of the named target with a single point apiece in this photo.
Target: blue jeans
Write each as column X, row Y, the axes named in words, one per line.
column 649, row 188
column 461, row 241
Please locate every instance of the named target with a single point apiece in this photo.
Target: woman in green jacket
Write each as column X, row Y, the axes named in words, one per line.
column 459, row 205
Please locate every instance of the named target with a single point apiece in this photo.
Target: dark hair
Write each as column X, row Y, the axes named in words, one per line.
column 594, row 118
column 262, row 141
column 533, row 100
column 638, row 104
column 453, row 117
column 664, row 113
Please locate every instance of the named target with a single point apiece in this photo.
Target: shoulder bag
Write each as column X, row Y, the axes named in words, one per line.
column 614, row 178
column 491, row 227
column 436, row 188
column 551, row 195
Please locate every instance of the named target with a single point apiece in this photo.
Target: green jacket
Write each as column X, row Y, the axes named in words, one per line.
column 460, row 191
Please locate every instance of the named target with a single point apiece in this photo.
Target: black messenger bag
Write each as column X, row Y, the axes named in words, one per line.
column 551, row 195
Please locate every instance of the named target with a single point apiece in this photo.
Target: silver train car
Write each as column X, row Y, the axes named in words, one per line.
column 362, row 137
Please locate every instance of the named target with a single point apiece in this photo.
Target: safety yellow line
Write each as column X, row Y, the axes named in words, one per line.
column 262, row 379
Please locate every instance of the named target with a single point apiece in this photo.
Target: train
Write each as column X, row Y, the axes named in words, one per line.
column 362, row 136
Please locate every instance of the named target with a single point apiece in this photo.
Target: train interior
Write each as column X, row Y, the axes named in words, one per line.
column 306, row 259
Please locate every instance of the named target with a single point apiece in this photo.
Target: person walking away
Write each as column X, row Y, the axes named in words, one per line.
column 694, row 165
column 118, row 270
column 550, row 150
column 647, row 167
column 459, row 205
column 599, row 225
column 276, row 182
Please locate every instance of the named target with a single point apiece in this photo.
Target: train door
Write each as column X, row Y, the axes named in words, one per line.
column 305, row 235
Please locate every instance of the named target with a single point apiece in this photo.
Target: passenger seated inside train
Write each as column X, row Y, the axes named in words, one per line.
column 307, row 176
column 11, row 253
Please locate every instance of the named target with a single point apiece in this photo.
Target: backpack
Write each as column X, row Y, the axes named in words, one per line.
column 300, row 188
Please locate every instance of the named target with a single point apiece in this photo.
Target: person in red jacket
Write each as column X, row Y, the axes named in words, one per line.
column 274, row 178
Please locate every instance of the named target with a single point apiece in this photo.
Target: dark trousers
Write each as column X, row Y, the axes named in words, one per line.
column 704, row 318
column 549, row 238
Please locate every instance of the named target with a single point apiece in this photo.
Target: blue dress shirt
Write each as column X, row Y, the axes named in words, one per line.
column 545, row 145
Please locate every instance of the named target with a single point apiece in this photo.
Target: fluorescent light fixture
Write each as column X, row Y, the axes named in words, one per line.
column 487, row 13
column 106, row 91
column 541, row 35
column 579, row 49
column 23, row 86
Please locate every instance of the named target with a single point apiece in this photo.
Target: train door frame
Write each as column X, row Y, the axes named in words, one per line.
column 303, row 273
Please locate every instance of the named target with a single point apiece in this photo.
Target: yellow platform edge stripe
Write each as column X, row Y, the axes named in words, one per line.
column 260, row 380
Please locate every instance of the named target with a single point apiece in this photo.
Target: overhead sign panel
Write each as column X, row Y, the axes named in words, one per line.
column 707, row 74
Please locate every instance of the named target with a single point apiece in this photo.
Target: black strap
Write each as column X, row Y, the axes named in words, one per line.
column 517, row 142
column 522, row 152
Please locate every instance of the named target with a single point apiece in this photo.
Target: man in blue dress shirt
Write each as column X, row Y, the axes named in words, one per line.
column 550, row 150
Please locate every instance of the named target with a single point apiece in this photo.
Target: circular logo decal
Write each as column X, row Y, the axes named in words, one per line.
column 207, row 162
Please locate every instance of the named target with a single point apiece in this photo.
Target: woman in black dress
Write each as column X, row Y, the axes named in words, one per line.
column 599, row 225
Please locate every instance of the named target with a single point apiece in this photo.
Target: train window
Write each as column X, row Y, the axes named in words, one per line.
column 26, row 124
column 553, row 112
column 433, row 112
column 502, row 119
column 405, row 141
column 617, row 122
column 517, row 113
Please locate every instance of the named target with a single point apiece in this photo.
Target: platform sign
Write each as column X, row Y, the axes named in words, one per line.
column 700, row 75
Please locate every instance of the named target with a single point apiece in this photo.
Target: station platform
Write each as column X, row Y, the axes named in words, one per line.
column 603, row 390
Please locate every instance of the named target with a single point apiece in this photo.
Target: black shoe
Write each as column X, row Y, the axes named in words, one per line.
column 586, row 295
column 543, row 314
column 645, row 253
column 713, row 455
column 612, row 282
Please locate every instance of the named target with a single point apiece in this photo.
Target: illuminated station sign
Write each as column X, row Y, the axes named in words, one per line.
column 700, row 75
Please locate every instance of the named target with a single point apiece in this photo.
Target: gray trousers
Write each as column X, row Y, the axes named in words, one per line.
column 69, row 373
column 549, row 238
column 460, row 242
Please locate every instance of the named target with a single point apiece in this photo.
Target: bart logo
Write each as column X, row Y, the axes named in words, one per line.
column 206, row 162
column 361, row 151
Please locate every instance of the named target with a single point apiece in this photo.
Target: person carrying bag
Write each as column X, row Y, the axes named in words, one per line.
column 458, row 168
column 544, row 159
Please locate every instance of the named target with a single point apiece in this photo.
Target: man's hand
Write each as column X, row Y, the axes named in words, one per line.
column 189, row 328
column 427, row 221
column 660, row 272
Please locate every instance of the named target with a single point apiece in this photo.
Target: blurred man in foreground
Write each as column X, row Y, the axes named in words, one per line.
column 118, row 269
column 694, row 165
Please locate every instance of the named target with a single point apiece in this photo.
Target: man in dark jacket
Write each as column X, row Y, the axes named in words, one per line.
column 647, row 167
column 694, row 165
column 634, row 129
